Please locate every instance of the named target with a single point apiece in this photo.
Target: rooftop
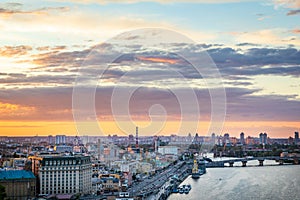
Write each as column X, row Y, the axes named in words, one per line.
column 16, row 174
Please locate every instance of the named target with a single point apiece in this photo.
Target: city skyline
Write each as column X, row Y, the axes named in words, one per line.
column 254, row 45
column 145, row 135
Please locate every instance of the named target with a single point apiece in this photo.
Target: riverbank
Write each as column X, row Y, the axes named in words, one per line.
column 268, row 182
column 173, row 183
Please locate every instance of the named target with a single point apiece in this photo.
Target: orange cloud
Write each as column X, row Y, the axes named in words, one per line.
column 296, row 31
column 10, row 51
column 9, row 11
column 159, row 60
column 13, row 110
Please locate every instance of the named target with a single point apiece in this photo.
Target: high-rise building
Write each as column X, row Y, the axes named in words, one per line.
column 213, row 138
column 260, row 138
column 65, row 175
column 263, row 138
column 50, row 139
column 296, row 137
column 249, row 140
column 130, row 139
column 60, row 139
column 226, row 138
column 242, row 138
column 156, row 143
column 99, row 149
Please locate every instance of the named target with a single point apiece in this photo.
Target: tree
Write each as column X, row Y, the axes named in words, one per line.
column 15, row 155
column 2, row 192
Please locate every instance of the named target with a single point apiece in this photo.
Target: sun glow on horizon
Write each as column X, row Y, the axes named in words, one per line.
column 45, row 128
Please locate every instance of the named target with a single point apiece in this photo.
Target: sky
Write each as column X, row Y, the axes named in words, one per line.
column 99, row 67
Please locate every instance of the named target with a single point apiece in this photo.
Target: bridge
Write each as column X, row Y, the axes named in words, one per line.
column 280, row 160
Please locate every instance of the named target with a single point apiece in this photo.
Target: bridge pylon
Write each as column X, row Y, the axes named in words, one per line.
column 244, row 163
column 261, row 162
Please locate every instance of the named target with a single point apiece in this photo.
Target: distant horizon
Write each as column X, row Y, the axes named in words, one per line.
column 148, row 135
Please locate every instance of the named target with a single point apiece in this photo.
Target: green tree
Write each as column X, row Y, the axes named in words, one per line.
column 2, row 192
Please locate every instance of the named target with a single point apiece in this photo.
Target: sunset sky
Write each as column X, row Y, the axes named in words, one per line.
column 46, row 45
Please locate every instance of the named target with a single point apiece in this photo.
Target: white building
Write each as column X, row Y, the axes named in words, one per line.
column 129, row 166
column 170, row 150
column 65, row 175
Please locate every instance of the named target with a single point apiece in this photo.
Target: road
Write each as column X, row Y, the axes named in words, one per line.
column 152, row 184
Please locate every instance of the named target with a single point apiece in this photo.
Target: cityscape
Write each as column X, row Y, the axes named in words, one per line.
column 112, row 167
column 149, row 99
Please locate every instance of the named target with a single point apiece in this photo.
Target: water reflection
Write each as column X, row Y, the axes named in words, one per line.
column 267, row 182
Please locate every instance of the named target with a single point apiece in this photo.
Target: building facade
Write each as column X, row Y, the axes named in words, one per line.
column 171, row 150
column 65, row 175
column 19, row 184
column 110, row 182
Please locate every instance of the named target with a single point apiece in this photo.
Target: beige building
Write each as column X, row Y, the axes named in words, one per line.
column 65, row 175
column 111, row 183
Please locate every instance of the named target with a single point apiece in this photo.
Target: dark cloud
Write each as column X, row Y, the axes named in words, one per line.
column 236, row 66
column 47, row 9
column 293, row 12
column 252, row 61
column 49, row 103
column 238, row 83
column 13, row 74
column 59, row 59
column 247, row 44
column 255, row 56
column 56, row 103
column 18, row 79
column 261, row 107
column 238, row 77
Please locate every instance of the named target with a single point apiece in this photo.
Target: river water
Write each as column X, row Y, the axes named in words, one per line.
column 251, row 182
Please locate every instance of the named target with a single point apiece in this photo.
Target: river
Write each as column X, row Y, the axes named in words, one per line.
column 252, row 182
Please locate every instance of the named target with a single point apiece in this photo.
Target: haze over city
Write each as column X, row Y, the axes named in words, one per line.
column 254, row 45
